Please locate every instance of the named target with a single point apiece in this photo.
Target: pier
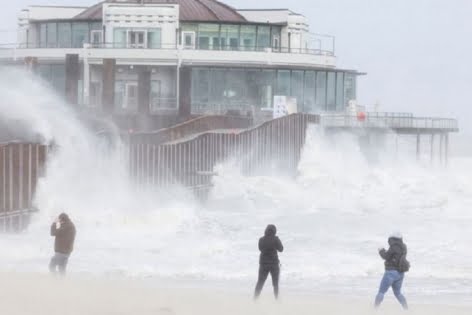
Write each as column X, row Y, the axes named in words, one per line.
column 186, row 154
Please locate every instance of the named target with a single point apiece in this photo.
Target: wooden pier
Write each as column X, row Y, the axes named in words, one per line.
column 186, row 154
column 20, row 168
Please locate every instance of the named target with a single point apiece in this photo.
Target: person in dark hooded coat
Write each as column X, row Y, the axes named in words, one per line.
column 269, row 246
column 394, row 275
column 64, row 232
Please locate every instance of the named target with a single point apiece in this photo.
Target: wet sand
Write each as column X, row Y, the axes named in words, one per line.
column 37, row 294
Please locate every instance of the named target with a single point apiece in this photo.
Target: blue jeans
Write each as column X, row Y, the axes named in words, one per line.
column 59, row 261
column 394, row 279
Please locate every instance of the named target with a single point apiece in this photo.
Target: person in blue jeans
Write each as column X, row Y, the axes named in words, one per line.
column 394, row 273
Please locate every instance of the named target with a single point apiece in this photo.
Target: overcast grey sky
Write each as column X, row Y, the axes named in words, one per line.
column 417, row 53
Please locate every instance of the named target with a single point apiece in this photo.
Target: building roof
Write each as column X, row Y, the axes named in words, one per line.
column 190, row 10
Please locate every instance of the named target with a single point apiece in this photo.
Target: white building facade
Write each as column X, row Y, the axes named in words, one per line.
column 202, row 56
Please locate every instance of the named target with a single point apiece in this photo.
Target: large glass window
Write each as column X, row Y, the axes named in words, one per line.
column 200, row 87
column 349, row 88
column 80, row 34
column 266, row 88
column 340, row 91
column 51, row 35
column 229, row 37
column 276, row 41
column 236, row 88
column 331, row 92
column 241, row 89
column 283, row 82
column 248, row 37
column 119, row 37
column 64, row 35
column 120, row 94
column 263, row 37
column 53, row 74
column 188, row 35
column 297, row 87
column 43, row 34
column 253, row 87
column 218, row 90
column 154, row 38
column 321, row 90
column 208, row 36
column 58, row 78
column 309, row 93
column 96, row 26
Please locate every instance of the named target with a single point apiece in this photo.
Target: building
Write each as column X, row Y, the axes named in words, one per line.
column 169, row 59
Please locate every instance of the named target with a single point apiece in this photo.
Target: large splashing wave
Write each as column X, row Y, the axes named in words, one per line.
column 332, row 217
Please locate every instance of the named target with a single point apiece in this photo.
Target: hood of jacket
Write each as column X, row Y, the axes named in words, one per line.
column 270, row 230
column 395, row 241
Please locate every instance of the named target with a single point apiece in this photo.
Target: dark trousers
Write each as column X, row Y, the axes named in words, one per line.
column 59, row 261
column 264, row 271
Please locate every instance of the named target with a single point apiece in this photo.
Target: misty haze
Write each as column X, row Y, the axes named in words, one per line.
column 201, row 157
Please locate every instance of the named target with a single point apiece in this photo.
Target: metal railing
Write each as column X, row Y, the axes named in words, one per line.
column 389, row 121
column 221, row 109
column 173, row 46
column 163, row 104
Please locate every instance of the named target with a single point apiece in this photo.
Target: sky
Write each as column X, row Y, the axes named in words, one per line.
column 417, row 53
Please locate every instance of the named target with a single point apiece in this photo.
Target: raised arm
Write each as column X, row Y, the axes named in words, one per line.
column 279, row 245
column 57, row 231
column 53, row 229
column 386, row 254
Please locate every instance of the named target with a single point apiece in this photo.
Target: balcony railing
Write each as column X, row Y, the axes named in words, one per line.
column 389, row 121
column 241, row 48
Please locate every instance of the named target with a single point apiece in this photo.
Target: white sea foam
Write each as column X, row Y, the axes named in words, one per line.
column 331, row 218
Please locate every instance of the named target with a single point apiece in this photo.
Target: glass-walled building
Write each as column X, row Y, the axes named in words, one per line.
column 200, row 57
column 204, row 36
column 63, row 34
column 228, row 89
column 216, row 36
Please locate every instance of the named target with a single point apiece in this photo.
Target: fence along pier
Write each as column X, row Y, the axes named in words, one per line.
column 186, row 154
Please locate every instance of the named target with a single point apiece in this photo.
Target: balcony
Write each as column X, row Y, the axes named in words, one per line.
column 171, row 54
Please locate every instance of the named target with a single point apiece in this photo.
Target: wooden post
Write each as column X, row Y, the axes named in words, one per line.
column 72, row 78
column 108, row 93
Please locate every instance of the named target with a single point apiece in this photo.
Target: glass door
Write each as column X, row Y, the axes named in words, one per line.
column 137, row 39
column 131, row 95
column 188, row 40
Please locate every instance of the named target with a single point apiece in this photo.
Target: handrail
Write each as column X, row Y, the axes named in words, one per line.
column 174, row 46
column 393, row 122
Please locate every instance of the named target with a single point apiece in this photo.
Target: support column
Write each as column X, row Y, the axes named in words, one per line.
column 446, row 149
column 441, row 149
column 72, row 78
column 143, row 122
column 185, row 92
column 418, row 146
column 86, row 75
column 144, row 91
column 108, row 86
column 432, row 148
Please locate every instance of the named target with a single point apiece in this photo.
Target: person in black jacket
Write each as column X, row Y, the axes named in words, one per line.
column 393, row 276
column 269, row 245
column 64, row 232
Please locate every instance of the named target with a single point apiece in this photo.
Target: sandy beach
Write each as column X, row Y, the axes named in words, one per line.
column 26, row 294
